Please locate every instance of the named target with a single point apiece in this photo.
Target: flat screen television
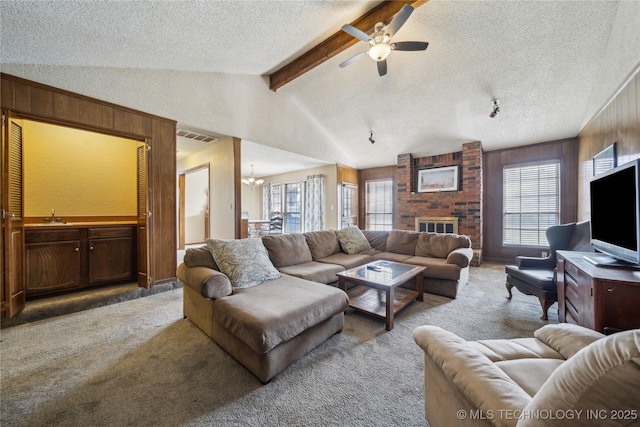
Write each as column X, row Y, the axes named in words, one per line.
column 615, row 216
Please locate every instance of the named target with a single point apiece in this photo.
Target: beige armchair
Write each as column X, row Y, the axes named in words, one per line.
column 565, row 376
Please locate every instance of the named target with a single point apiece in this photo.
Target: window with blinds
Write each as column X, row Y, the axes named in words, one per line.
column 531, row 203
column 379, row 205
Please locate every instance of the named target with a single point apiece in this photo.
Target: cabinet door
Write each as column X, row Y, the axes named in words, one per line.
column 619, row 305
column 52, row 267
column 111, row 260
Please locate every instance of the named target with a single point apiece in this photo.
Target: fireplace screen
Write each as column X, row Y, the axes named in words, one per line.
column 437, row 224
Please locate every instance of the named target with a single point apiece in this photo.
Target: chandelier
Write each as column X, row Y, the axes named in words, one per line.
column 252, row 181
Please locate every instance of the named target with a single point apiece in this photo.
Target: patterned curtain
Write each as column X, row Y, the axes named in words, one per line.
column 266, row 201
column 314, row 203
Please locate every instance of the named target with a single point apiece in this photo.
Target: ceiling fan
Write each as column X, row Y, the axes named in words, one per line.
column 380, row 45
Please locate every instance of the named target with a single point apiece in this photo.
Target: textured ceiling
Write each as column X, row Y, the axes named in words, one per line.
column 553, row 64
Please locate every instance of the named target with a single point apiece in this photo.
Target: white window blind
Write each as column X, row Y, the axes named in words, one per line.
column 379, row 203
column 531, row 203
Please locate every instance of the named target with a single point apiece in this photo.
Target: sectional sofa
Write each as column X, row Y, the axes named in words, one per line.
column 319, row 255
column 266, row 301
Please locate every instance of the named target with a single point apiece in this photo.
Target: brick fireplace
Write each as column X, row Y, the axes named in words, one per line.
column 465, row 204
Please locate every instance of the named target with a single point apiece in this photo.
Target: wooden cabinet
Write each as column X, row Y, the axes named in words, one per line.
column 595, row 297
column 111, row 254
column 64, row 258
column 53, row 261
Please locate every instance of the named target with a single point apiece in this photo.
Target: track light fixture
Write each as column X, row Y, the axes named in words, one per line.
column 371, row 140
column 495, row 103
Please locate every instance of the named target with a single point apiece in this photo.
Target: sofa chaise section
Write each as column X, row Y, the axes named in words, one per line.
column 265, row 327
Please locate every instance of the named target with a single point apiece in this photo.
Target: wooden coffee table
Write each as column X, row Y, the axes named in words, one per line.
column 377, row 292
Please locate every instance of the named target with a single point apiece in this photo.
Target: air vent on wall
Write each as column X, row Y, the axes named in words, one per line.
column 196, row 136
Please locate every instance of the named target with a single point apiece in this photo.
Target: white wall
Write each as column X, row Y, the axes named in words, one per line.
column 196, row 202
column 221, row 185
column 252, row 201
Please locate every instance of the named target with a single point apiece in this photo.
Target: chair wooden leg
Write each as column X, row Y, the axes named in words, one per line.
column 545, row 304
column 509, row 286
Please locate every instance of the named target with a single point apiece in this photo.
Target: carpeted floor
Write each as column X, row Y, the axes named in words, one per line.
column 140, row 363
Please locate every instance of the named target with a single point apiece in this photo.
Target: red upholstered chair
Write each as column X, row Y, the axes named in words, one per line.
column 536, row 276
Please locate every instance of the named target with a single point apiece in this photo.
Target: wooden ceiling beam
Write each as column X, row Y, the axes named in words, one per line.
column 337, row 43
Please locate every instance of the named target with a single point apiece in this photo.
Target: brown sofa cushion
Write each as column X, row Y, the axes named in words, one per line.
column 402, row 242
column 377, row 239
column 437, row 268
column 314, row 271
column 390, row 256
column 440, row 245
column 287, row 249
column 200, row 257
column 322, row 243
column 346, row 260
column 273, row 312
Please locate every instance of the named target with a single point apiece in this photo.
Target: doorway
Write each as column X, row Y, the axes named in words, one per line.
column 193, row 210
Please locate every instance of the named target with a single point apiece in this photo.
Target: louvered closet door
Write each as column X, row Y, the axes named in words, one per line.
column 13, row 292
column 144, row 206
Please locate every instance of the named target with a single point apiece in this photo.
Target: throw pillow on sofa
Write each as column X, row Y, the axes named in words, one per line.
column 245, row 262
column 352, row 240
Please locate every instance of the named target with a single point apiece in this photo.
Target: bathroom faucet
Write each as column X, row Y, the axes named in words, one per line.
column 53, row 215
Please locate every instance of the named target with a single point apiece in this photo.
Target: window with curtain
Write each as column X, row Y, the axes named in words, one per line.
column 293, row 207
column 266, row 200
column 276, row 198
column 314, row 203
column 349, row 205
column 379, row 205
column 531, row 203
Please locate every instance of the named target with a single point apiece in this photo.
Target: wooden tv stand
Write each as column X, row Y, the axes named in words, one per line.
column 596, row 297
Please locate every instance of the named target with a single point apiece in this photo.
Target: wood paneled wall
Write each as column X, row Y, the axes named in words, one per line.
column 565, row 150
column 33, row 100
column 619, row 123
column 347, row 175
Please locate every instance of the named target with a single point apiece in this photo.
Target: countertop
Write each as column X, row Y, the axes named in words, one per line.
column 49, row 225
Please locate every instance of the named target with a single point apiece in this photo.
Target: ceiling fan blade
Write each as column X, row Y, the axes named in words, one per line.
column 410, row 46
column 352, row 59
column 382, row 67
column 399, row 20
column 353, row 31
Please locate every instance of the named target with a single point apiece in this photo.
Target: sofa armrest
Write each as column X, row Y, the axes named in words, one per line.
column 461, row 257
column 566, row 338
column 484, row 385
column 206, row 281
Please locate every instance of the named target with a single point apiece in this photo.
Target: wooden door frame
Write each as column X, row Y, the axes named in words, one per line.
column 134, row 139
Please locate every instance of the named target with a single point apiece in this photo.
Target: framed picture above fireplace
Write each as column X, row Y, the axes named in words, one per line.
column 438, row 179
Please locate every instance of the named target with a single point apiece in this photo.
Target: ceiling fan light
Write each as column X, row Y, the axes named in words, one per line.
column 379, row 52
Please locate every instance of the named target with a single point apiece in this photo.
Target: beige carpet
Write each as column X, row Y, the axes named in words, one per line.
column 139, row 363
